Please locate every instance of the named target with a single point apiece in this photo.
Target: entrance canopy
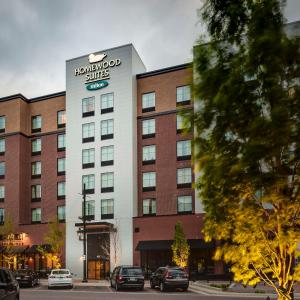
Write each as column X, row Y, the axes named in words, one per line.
column 34, row 249
column 166, row 245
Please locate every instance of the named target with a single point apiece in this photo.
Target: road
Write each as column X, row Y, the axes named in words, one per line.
column 106, row 293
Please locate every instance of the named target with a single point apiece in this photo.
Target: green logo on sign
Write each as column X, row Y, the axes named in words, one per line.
column 97, row 85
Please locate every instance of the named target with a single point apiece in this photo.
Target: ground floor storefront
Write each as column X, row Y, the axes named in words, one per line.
column 153, row 238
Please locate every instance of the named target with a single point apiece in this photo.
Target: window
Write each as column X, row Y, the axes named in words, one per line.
column 88, row 107
column 149, row 154
column 61, row 213
column 184, row 204
column 36, row 215
column 2, row 169
column 148, row 128
column 88, row 181
column 61, row 142
column 61, row 166
column 88, row 132
column 36, row 123
column 181, row 124
column 90, row 209
column 2, row 146
column 107, row 155
column 107, row 129
column 107, row 182
column 148, row 102
column 2, row 124
column 149, row 181
column 61, row 119
column 36, row 193
column 149, row 207
column 1, row 215
column 88, row 158
column 107, row 103
column 183, row 95
column 107, row 209
column 36, row 146
column 36, row 169
column 183, row 150
column 184, row 178
column 2, row 193
column 61, row 190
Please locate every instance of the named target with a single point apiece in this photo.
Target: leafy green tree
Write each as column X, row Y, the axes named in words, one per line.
column 180, row 247
column 55, row 239
column 247, row 141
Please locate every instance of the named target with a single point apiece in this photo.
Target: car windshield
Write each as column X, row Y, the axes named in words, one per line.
column 132, row 271
column 23, row 272
column 60, row 272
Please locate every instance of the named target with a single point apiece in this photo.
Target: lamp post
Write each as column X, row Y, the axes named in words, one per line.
column 84, row 234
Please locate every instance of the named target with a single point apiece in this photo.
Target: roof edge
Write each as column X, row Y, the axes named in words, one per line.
column 13, row 97
column 164, row 70
column 49, row 96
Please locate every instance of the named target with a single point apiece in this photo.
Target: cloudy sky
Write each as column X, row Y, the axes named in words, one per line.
column 37, row 36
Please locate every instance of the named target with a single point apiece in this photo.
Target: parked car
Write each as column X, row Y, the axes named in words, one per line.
column 127, row 277
column 169, row 278
column 26, row 277
column 9, row 286
column 60, row 277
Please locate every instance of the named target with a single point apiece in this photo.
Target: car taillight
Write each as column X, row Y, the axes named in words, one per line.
column 119, row 278
column 169, row 276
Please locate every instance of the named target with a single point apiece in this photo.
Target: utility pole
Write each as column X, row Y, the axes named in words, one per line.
column 84, row 235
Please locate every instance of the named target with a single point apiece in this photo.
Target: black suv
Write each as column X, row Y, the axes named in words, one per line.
column 169, row 277
column 127, row 277
column 26, row 277
column 9, row 287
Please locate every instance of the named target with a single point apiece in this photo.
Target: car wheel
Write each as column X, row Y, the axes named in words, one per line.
column 184, row 289
column 49, row 287
column 162, row 287
column 152, row 285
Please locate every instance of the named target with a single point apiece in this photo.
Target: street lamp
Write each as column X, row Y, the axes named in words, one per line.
column 83, row 218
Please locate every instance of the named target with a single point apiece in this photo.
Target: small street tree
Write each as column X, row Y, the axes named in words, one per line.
column 55, row 239
column 247, row 141
column 180, row 247
column 7, row 231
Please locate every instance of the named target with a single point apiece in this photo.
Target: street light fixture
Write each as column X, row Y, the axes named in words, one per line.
column 80, row 232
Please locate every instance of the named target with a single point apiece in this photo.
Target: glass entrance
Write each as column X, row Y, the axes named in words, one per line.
column 98, row 255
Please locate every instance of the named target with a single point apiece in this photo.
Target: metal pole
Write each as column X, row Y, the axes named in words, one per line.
column 84, row 236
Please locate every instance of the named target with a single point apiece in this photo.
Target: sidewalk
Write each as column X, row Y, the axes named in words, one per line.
column 234, row 289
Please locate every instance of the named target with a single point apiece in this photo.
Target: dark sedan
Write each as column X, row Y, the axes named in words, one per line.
column 170, row 278
column 26, row 277
column 9, row 287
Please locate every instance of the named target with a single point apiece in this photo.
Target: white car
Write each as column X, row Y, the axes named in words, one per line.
column 60, row 277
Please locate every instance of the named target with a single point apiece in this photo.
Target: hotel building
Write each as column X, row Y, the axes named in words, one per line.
column 116, row 131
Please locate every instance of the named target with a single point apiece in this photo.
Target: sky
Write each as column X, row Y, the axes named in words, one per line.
column 38, row 36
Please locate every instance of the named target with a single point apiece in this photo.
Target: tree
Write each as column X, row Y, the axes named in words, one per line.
column 7, row 231
column 180, row 247
column 55, row 239
column 115, row 243
column 247, row 140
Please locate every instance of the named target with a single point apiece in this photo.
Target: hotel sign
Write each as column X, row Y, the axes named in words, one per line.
column 98, row 71
column 96, row 85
